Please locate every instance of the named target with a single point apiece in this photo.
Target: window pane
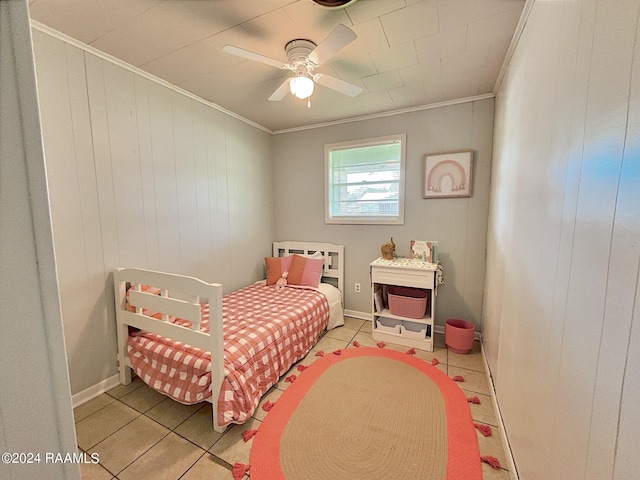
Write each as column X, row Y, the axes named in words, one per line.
column 364, row 181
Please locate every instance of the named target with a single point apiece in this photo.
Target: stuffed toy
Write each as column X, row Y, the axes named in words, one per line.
column 282, row 281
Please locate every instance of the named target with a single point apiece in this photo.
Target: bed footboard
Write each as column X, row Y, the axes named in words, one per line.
column 181, row 297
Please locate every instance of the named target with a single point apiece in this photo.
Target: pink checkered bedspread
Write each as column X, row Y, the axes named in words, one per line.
column 265, row 333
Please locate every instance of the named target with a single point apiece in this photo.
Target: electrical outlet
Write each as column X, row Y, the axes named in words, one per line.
column 357, row 288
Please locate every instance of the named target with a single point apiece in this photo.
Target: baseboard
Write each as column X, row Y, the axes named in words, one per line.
column 513, row 471
column 357, row 314
column 92, row 392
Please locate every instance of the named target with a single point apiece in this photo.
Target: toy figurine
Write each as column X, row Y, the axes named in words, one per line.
column 388, row 249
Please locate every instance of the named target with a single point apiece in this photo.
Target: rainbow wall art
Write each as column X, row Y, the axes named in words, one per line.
column 448, row 175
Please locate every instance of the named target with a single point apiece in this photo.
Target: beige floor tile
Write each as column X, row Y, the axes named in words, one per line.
column 171, row 413
column 271, row 396
column 198, row 428
column 492, row 445
column 282, row 383
column 309, row 359
column 365, row 339
column 94, row 471
column 98, row 426
column 354, row 323
column 328, row 344
column 472, row 360
column 442, row 354
column 473, row 381
column 489, row 473
column 341, row 333
column 438, row 340
column 397, row 347
column 127, row 444
column 430, row 356
column 208, row 467
column 143, row 398
column 92, row 406
column 231, row 447
column 122, row 390
column 484, row 411
column 169, row 459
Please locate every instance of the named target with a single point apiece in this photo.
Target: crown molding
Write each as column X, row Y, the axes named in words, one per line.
column 105, row 56
column 419, row 108
column 524, row 16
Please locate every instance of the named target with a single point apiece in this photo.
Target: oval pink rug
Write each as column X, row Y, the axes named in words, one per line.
column 368, row 414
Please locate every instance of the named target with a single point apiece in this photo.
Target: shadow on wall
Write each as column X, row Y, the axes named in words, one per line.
column 454, row 304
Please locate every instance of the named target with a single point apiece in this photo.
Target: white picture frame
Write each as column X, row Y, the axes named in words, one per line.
column 448, row 175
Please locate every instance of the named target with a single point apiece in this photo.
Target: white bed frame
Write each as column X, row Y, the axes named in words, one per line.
column 182, row 296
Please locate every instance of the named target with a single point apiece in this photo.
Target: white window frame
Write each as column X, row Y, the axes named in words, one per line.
column 369, row 219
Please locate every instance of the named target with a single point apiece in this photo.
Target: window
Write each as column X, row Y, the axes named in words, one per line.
column 365, row 181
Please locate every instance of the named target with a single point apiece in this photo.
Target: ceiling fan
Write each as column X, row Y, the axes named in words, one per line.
column 304, row 57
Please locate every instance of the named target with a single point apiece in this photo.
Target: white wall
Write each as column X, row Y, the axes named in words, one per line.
column 458, row 224
column 35, row 400
column 142, row 176
column 561, row 320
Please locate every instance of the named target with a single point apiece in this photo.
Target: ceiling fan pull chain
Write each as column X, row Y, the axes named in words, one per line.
column 309, row 103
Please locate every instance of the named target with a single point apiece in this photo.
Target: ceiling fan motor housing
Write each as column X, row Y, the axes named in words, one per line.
column 298, row 52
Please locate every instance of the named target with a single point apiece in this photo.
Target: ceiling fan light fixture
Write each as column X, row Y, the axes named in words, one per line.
column 334, row 3
column 301, row 86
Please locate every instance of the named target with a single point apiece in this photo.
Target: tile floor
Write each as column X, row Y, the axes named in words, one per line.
column 140, row 434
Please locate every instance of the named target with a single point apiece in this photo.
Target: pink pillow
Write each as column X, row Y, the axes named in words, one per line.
column 276, row 266
column 305, row 271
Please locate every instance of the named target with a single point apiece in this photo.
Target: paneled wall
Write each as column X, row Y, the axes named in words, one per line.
column 561, row 317
column 142, row 176
column 35, row 406
column 458, row 224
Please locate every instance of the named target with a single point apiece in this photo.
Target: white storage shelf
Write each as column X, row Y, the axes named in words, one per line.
column 387, row 313
column 388, row 327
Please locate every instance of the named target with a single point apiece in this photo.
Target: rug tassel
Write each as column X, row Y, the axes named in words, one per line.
column 239, row 470
column 381, row 344
column 248, row 435
column 337, row 352
column 485, row 430
column 319, row 353
column 458, row 378
column 435, row 361
column 411, row 351
column 356, row 344
column 290, row 378
column 301, row 368
column 475, row 400
column 267, row 406
column 493, row 462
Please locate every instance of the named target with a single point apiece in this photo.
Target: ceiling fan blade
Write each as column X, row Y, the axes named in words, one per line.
column 241, row 52
column 281, row 91
column 339, row 38
column 338, row 85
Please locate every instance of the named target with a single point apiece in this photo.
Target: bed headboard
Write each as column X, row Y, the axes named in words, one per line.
column 333, row 257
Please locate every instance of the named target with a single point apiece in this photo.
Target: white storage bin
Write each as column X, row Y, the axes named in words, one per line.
column 388, row 325
column 413, row 330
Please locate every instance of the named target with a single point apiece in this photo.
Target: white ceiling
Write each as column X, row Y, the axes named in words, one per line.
column 408, row 54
